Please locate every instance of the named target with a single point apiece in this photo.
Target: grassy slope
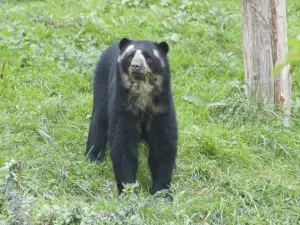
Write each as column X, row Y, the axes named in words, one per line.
column 237, row 165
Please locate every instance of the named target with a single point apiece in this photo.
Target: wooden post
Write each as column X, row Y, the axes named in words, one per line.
column 283, row 79
column 264, row 45
column 257, row 45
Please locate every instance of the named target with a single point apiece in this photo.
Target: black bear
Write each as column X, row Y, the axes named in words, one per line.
column 133, row 101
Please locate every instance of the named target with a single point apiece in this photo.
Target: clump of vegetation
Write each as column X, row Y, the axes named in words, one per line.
column 237, row 163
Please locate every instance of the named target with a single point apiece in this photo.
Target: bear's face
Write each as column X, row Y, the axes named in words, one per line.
column 143, row 60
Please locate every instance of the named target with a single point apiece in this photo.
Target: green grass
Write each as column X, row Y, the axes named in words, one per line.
column 237, row 163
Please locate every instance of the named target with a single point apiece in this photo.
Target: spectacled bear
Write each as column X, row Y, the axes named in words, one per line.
column 133, row 101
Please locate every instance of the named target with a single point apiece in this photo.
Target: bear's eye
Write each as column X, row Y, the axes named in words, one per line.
column 148, row 59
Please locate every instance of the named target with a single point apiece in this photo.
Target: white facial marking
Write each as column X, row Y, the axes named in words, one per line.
column 128, row 49
column 140, row 56
column 156, row 53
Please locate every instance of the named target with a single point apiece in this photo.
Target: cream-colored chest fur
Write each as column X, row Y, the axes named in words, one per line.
column 141, row 95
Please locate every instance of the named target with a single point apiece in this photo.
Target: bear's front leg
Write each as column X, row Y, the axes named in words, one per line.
column 123, row 145
column 163, row 150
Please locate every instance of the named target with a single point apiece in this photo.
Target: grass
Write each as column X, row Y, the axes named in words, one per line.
column 237, row 164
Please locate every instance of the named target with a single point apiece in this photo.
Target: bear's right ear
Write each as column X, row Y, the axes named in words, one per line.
column 124, row 42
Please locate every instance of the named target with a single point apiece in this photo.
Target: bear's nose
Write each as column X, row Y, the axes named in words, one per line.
column 135, row 67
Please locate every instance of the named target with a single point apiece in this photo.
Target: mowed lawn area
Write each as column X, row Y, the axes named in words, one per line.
column 238, row 163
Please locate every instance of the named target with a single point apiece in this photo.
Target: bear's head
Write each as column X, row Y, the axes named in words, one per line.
column 141, row 60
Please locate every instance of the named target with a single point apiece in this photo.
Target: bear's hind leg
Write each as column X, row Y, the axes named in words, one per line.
column 97, row 138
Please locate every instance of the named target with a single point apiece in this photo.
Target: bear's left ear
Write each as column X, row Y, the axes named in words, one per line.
column 164, row 47
column 124, row 42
